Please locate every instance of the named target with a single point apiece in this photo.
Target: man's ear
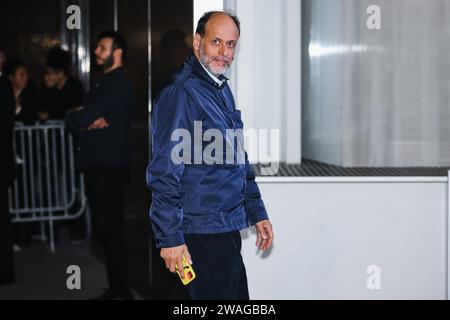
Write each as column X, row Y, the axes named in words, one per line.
column 196, row 42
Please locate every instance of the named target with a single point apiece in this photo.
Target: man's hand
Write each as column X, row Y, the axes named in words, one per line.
column 42, row 115
column 100, row 123
column 75, row 109
column 174, row 256
column 264, row 234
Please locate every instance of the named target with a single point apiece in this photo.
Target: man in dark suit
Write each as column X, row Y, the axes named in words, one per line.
column 7, row 103
column 103, row 125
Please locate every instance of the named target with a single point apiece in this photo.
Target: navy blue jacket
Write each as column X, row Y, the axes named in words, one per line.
column 111, row 98
column 191, row 198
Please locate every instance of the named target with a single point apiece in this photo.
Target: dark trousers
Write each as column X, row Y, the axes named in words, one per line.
column 6, row 237
column 106, row 193
column 218, row 265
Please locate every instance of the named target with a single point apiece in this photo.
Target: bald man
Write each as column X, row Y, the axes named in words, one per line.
column 200, row 204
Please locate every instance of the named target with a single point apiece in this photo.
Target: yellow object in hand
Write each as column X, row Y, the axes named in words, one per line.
column 189, row 273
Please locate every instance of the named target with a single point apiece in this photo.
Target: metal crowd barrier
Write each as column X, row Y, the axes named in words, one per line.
column 47, row 187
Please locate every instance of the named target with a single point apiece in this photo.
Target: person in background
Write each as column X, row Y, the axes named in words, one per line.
column 7, row 103
column 103, row 126
column 20, row 96
column 60, row 92
column 22, row 90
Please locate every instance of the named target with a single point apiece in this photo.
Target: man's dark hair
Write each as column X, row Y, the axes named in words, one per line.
column 12, row 65
column 59, row 59
column 119, row 41
column 201, row 25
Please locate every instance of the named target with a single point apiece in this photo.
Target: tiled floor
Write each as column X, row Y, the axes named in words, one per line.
column 41, row 274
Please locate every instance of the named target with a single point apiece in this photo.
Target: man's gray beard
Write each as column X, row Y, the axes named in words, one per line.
column 204, row 60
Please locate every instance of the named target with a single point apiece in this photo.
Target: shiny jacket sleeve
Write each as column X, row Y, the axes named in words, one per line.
column 163, row 175
column 254, row 204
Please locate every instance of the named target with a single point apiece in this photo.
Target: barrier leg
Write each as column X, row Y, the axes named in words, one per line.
column 87, row 214
column 51, row 235
column 43, row 236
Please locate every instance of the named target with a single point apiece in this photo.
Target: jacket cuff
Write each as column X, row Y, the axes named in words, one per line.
column 173, row 240
column 256, row 211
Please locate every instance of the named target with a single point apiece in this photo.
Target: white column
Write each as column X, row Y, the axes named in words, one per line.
column 266, row 75
column 202, row 6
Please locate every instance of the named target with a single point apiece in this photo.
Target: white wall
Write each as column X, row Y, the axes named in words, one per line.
column 266, row 76
column 202, row 6
column 329, row 230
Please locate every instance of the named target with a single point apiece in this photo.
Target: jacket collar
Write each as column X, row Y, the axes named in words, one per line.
column 201, row 72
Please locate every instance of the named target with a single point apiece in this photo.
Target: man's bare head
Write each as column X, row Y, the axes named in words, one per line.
column 215, row 41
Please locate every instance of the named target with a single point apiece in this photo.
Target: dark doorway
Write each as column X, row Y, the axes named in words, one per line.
column 27, row 32
column 131, row 19
column 171, row 39
column 159, row 36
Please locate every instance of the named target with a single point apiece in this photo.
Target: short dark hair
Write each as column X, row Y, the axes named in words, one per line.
column 119, row 41
column 59, row 59
column 12, row 65
column 201, row 25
